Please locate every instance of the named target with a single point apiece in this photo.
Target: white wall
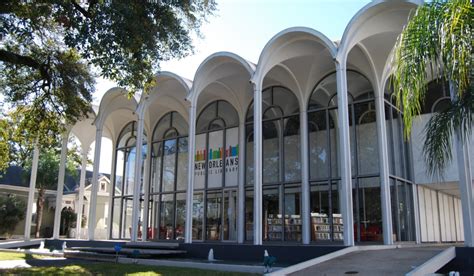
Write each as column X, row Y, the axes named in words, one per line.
column 419, row 166
column 440, row 216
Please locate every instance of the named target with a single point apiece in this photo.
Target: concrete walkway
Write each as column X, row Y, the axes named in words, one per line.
column 397, row 261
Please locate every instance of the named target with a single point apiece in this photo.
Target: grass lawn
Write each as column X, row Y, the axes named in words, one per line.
column 6, row 256
column 104, row 269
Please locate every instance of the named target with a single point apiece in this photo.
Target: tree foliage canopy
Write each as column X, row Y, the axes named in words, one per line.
column 49, row 47
column 437, row 43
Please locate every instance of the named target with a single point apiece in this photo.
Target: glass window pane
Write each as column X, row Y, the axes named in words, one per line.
column 125, row 134
column 167, row 217
column 180, row 124
column 154, row 217
column 292, row 208
column 292, row 149
column 390, row 138
column 129, row 177
column 117, row 205
column 286, row 100
column 359, row 86
column 205, row 117
column 180, row 215
column 198, row 216
column 182, row 164
column 169, row 160
column 119, row 173
column 272, row 217
column 249, row 215
column 216, row 124
column 367, row 144
column 213, row 221
column 320, row 224
column 249, row 116
column 398, row 138
column 230, row 215
column 249, row 156
column 271, row 151
column 273, row 113
column 370, row 209
column 161, row 127
column 156, row 168
column 319, row 157
column 127, row 218
column 215, row 154
column 227, row 112
column 334, row 143
column 232, row 157
column 170, row 133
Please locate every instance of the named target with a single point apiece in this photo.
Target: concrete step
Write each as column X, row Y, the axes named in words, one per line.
column 152, row 245
column 131, row 251
column 89, row 256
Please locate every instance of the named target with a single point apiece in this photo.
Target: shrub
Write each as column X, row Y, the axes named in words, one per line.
column 12, row 211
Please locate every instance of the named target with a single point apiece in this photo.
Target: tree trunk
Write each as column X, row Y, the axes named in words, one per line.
column 39, row 212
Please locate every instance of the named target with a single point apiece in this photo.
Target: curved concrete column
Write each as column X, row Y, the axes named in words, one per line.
column 387, row 223
column 137, row 181
column 305, row 191
column 59, row 193
column 241, row 190
column 258, row 165
column 80, row 204
column 112, row 190
column 31, row 193
column 146, row 183
column 95, row 178
column 345, row 192
column 188, row 237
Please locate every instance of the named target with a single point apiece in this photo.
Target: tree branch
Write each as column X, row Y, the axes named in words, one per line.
column 10, row 57
column 84, row 12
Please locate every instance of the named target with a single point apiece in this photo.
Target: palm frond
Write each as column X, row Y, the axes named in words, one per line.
column 439, row 130
column 436, row 42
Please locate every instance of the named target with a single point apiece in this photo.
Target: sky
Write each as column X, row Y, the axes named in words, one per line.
column 244, row 27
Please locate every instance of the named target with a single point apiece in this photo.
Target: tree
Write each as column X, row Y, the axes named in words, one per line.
column 12, row 211
column 48, row 50
column 437, row 43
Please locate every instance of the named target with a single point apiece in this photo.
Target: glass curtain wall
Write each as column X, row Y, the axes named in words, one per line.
column 216, row 173
column 122, row 200
column 168, row 175
column 401, row 181
column 281, row 167
column 324, row 158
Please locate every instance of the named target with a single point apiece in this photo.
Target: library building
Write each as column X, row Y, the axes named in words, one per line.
column 303, row 146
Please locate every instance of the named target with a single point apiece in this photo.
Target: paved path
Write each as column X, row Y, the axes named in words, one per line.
column 397, row 261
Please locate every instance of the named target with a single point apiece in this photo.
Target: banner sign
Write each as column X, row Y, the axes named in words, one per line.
column 213, row 159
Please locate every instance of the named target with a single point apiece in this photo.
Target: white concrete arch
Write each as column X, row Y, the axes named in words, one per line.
column 304, row 52
column 115, row 111
column 169, row 94
column 114, row 99
column 374, row 30
column 293, row 58
column 367, row 44
column 84, row 130
column 223, row 71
